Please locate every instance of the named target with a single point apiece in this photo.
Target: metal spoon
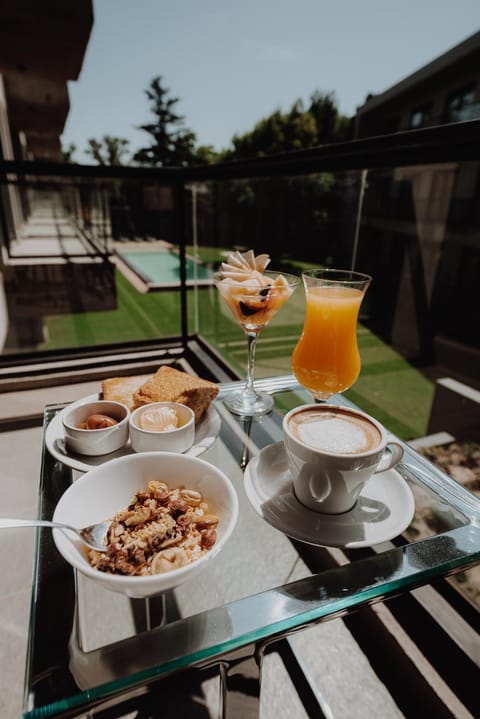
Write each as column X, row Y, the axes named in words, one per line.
column 93, row 536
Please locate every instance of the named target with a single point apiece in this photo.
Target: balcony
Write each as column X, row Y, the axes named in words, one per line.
column 106, row 273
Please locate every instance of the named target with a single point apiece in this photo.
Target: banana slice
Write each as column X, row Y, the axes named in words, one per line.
column 235, row 275
column 280, row 281
column 249, row 258
column 247, row 270
column 227, row 267
column 246, row 264
column 261, row 262
column 169, row 559
column 238, row 260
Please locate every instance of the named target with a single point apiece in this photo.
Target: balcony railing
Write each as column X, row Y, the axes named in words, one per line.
column 402, row 207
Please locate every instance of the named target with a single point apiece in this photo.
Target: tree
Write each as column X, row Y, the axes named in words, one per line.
column 172, row 143
column 205, row 155
column 68, row 152
column 331, row 126
column 109, row 150
column 296, row 129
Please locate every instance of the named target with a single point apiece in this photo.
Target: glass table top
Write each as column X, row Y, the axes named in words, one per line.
column 87, row 644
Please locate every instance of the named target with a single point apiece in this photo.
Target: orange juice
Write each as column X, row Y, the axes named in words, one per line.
column 326, row 359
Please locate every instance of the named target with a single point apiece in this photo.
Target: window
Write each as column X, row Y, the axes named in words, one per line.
column 461, row 105
column 420, row 117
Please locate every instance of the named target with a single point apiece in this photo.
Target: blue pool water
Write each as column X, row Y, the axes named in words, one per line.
column 163, row 267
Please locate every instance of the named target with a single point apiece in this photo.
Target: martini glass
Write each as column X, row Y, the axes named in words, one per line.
column 326, row 359
column 253, row 305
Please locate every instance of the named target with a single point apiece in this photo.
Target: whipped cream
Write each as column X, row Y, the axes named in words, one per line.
column 162, row 419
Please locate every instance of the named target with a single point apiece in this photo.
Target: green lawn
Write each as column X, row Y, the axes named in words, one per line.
column 137, row 317
column 388, row 387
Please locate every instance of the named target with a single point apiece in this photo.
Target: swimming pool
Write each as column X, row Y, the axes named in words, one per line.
column 161, row 267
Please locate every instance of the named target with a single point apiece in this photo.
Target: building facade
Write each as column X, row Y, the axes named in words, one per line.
column 423, row 222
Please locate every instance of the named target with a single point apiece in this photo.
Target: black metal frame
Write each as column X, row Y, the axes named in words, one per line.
column 443, row 143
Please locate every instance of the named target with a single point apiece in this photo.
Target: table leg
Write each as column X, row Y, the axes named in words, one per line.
column 149, row 613
column 240, row 679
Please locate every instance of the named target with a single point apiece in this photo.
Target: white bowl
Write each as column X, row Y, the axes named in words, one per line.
column 174, row 440
column 100, row 493
column 95, row 441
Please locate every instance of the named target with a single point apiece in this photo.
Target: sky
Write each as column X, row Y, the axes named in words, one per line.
column 233, row 62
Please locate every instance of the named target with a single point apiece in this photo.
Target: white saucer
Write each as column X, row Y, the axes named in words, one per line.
column 383, row 510
column 205, row 434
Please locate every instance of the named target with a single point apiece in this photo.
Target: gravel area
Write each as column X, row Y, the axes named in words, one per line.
column 461, row 461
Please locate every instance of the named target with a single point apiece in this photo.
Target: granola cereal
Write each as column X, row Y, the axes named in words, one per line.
column 161, row 529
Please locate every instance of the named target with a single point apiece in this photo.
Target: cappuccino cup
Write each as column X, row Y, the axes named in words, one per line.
column 332, row 452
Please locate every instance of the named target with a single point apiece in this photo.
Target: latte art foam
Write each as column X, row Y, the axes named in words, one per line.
column 340, row 432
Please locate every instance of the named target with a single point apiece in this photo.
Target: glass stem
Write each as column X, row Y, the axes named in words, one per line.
column 252, row 343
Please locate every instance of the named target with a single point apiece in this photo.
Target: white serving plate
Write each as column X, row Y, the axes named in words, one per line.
column 206, row 432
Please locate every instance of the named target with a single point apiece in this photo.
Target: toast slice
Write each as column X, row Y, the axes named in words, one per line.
column 121, row 389
column 171, row 385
